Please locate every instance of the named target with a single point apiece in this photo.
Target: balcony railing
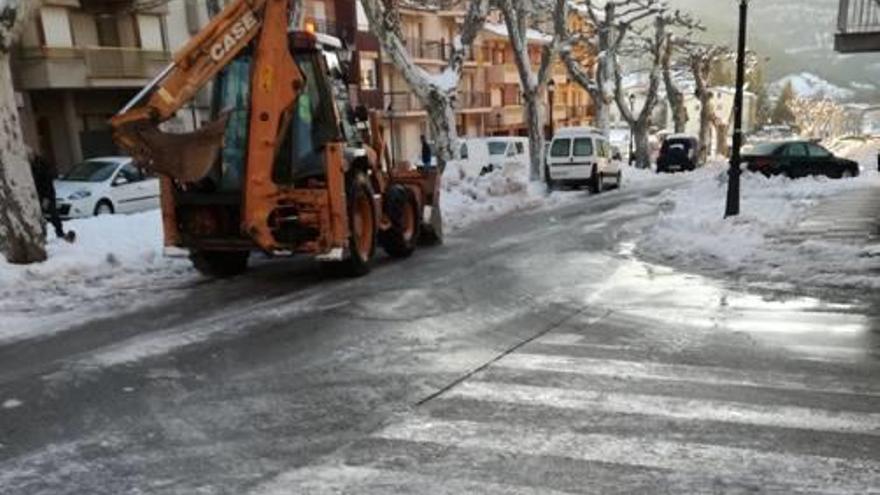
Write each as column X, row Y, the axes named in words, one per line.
column 122, row 63
column 858, row 16
column 473, row 99
column 103, row 62
column 442, row 50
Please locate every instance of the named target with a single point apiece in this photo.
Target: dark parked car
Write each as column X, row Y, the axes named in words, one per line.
column 678, row 153
column 797, row 159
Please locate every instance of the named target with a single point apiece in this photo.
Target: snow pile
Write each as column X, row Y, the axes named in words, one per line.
column 111, row 252
column 763, row 242
column 466, row 200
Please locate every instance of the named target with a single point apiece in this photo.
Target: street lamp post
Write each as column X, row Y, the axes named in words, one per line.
column 735, row 157
column 632, row 151
column 551, row 89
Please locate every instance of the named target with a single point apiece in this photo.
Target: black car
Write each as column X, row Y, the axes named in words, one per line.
column 797, row 159
column 678, row 153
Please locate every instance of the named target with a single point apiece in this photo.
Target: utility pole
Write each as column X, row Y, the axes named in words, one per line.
column 735, row 156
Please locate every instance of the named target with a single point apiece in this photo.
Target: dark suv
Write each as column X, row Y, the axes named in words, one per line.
column 678, row 154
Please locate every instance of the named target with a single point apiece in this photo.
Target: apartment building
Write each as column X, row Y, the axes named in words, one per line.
column 77, row 63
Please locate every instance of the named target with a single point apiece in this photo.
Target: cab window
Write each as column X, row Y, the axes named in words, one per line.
column 561, row 148
column 583, row 147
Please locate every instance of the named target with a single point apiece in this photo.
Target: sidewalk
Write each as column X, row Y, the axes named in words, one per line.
column 851, row 218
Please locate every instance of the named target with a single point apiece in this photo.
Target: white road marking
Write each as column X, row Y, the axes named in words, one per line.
column 806, row 472
column 709, row 375
column 364, row 480
column 672, row 407
column 576, row 340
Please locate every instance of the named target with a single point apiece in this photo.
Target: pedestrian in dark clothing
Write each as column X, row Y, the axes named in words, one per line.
column 44, row 180
column 426, row 152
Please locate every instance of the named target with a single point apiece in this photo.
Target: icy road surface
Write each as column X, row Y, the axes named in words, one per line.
column 531, row 355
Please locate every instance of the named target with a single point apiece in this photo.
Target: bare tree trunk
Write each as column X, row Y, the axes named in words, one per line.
column 22, row 236
column 705, row 126
column 673, row 93
column 532, row 114
column 642, row 144
column 721, row 147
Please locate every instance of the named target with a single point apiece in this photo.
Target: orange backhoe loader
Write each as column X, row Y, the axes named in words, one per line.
column 287, row 165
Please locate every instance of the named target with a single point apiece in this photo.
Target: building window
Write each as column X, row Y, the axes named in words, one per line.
column 368, row 74
column 362, row 23
column 56, row 27
column 150, row 29
column 108, row 30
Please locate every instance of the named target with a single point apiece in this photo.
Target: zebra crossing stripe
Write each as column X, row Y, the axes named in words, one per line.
column 803, row 472
column 671, row 407
column 359, row 480
column 573, row 339
column 677, row 372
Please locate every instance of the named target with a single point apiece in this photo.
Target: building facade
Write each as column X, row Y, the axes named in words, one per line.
column 77, row 63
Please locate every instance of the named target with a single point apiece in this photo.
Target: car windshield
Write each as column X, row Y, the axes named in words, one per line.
column 497, row 147
column 764, row 149
column 682, row 144
column 91, row 171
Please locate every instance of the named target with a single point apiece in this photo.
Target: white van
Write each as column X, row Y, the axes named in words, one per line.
column 582, row 156
column 480, row 156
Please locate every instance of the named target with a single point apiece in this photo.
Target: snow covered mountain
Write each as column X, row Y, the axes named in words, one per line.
column 810, row 85
column 797, row 35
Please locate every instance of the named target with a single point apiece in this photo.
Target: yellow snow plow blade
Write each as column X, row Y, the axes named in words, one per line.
column 186, row 157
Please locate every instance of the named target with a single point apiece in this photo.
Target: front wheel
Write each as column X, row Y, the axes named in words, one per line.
column 362, row 226
column 103, row 207
column 220, row 264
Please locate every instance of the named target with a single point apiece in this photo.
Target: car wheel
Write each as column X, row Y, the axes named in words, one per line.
column 596, row 182
column 618, row 183
column 847, row 174
column 104, row 207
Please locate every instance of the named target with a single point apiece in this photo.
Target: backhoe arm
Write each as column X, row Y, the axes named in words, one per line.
column 189, row 157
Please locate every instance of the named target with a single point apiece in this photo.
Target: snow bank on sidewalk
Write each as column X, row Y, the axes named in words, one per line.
column 469, row 200
column 112, row 253
column 691, row 230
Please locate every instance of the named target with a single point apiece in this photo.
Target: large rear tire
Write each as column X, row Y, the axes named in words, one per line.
column 399, row 241
column 362, row 226
column 220, row 264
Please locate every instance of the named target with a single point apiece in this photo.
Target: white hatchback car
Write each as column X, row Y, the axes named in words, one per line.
column 106, row 185
column 582, row 156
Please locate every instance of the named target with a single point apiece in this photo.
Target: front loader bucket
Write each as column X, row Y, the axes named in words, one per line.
column 186, row 157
